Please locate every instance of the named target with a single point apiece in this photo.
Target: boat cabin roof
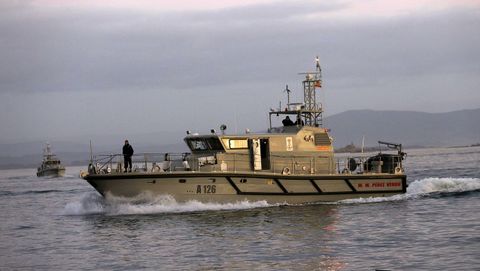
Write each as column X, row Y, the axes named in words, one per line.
column 237, row 142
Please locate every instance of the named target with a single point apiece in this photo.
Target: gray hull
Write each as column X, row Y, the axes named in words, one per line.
column 234, row 187
column 51, row 172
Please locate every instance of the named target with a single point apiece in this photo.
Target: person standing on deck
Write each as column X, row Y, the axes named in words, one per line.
column 127, row 156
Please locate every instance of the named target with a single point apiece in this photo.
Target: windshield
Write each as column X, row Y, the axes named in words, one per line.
column 204, row 144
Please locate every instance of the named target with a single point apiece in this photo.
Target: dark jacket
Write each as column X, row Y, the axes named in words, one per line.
column 127, row 150
column 287, row 122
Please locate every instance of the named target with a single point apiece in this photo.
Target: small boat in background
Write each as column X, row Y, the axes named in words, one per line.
column 51, row 165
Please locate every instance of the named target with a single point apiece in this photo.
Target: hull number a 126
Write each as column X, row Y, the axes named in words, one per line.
column 206, row 189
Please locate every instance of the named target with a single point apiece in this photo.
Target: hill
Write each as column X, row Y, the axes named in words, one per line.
column 410, row 128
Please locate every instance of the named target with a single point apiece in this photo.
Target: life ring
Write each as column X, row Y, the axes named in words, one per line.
column 286, row 171
column 398, row 170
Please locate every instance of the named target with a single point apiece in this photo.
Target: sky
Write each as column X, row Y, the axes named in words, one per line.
column 80, row 69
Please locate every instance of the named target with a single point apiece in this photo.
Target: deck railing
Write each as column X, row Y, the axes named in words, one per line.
column 281, row 164
column 369, row 164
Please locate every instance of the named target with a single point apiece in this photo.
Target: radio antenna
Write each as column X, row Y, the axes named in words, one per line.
column 288, row 95
column 91, row 153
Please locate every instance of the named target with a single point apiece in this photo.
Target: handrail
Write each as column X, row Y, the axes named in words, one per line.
column 239, row 162
column 372, row 164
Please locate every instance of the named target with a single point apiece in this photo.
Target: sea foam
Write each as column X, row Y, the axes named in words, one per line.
column 426, row 187
column 447, row 185
column 93, row 203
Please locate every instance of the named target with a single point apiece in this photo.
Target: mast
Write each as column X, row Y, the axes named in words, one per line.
column 288, row 96
column 47, row 153
column 308, row 113
column 312, row 110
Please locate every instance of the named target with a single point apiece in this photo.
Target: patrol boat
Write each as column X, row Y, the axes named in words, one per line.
column 51, row 165
column 293, row 164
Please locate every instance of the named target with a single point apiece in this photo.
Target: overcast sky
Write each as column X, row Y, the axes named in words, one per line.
column 72, row 69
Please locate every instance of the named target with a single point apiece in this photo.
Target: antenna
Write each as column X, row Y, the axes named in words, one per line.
column 288, row 95
column 91, row 153
column 318, row 74
column 363, row 143
column 47, row 149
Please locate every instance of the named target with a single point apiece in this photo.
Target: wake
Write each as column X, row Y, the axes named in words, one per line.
column 426, row 188
column 93, row 203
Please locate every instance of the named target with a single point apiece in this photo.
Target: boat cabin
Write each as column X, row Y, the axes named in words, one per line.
column 300, row 146
column 287, row 150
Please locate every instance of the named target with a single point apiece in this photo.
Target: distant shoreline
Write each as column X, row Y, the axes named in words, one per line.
column 354, row 149
column 350, row 149
column 35, row 166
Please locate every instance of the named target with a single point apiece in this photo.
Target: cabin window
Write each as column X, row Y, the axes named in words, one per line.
column 214, row 144
column 198, row 144
column 205, row 144
column 238, row 144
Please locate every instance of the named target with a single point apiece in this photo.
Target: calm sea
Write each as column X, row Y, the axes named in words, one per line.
column 64, row 224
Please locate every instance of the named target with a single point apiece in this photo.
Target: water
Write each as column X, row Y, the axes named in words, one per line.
column 63, row 224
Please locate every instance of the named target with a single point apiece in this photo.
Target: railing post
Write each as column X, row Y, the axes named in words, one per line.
column 293, row 165
column 273, row 164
